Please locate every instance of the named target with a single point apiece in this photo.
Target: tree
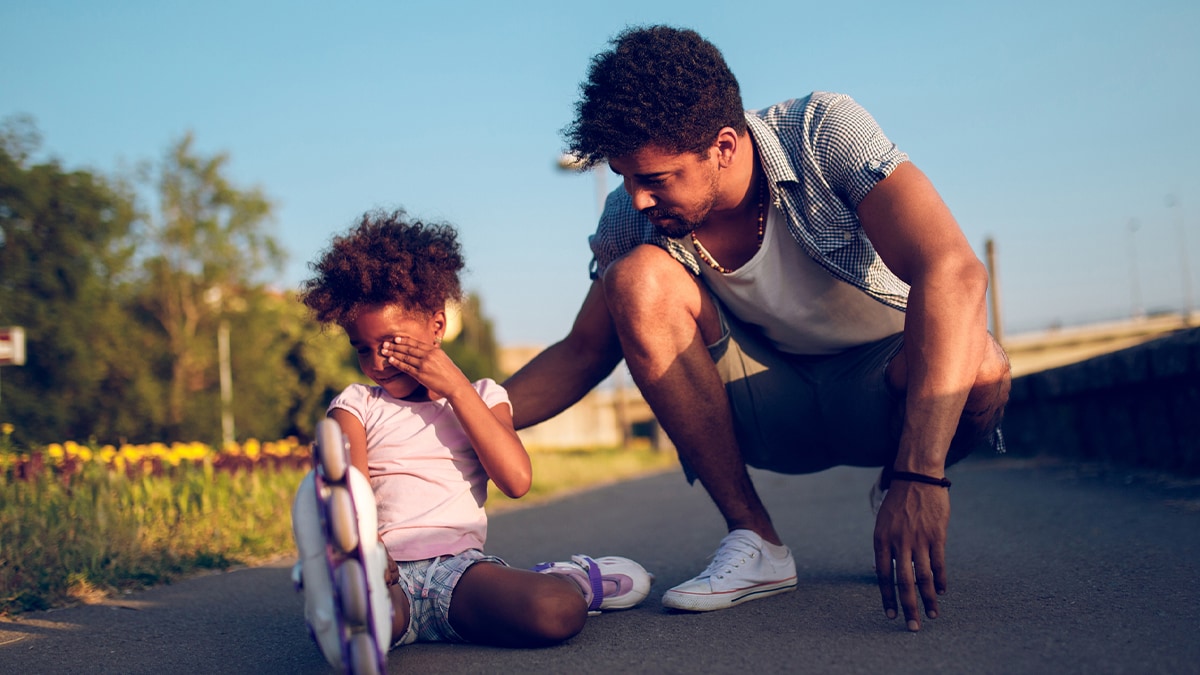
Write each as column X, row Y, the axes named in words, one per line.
column 65, row 254
column 121, row 310
column 205, row 251
column 287, row 368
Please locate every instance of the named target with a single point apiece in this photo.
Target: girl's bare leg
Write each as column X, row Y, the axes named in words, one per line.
column 401, row 612
column 508, row 607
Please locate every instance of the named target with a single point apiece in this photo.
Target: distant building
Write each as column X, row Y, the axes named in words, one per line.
column 596, row 420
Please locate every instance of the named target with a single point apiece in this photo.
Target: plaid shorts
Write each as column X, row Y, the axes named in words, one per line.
column 428, row 585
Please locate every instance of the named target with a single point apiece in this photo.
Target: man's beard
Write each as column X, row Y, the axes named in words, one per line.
column 678, row 226
column 681, row 225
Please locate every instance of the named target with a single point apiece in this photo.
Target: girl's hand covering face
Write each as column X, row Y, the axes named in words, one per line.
column 425, row 362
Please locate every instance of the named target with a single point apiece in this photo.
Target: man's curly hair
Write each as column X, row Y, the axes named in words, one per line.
column 385, row 259
column 658, row 85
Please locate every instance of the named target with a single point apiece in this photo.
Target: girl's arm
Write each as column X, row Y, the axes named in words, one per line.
column 490, row 430
column 356, row 435
column 495, row 441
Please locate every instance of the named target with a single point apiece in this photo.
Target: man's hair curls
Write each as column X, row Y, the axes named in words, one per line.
column 659, row 86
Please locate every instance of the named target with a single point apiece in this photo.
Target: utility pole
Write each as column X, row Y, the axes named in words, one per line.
column 994, row 291
column 1184, row 267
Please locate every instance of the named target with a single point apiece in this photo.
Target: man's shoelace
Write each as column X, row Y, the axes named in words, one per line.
column 729, row 556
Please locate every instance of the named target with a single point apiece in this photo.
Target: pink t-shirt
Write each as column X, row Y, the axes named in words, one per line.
column 429, row 485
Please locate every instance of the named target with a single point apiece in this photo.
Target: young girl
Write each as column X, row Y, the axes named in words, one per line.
column 427, row 440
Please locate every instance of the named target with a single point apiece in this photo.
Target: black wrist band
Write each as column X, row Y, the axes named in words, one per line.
column 919, row 478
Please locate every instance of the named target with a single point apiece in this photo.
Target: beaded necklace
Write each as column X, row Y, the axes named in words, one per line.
column 762, row 230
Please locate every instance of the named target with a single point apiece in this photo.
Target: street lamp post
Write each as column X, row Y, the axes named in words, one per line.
column 571, row 163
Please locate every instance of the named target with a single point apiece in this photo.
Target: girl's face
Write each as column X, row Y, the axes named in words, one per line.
column 385, row 323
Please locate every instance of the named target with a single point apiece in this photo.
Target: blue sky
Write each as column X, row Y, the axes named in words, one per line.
column 1048, row 126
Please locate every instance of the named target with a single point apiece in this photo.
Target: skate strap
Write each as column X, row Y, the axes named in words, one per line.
column 593, row 572
column 580, row 563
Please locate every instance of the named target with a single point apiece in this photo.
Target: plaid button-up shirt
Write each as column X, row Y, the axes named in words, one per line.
column 822, row 154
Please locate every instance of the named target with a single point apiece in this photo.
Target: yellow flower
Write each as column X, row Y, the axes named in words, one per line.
column 6, row 429
column 132, row 453
column 194, row 451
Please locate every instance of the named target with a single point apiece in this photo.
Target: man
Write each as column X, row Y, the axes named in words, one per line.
column 788, row 292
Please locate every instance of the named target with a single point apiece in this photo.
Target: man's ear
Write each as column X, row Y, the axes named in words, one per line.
column 727, row 145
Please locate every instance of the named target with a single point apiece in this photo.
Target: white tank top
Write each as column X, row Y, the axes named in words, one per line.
column 798, row 305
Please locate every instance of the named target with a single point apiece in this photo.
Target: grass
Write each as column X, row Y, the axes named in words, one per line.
column 80, row 537
column 560, row 472
column 79, row 524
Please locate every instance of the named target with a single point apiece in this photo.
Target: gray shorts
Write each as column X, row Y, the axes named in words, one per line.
column 429, row 586
column 804, row 413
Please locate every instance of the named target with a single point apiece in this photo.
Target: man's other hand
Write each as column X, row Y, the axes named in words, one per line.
column 910, row 548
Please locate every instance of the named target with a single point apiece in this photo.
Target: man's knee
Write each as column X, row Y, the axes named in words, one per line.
column 992, row 384
column 647, row 289
column 992, row 379
column 981, row 416
column 645, row 274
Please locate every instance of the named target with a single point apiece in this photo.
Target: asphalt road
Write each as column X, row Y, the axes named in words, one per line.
column 1053, row 569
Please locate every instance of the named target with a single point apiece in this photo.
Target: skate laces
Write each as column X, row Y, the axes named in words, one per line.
column 732, row 553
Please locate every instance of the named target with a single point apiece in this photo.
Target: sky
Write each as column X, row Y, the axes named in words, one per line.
column 1066, row 132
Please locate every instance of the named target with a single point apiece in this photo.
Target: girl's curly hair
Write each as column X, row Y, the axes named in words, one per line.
column 385, row 259
column 658, row 85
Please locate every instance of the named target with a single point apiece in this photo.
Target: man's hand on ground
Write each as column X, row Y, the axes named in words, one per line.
column 911, row 531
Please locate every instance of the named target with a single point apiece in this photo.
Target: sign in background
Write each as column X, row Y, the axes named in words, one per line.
column 12, row 346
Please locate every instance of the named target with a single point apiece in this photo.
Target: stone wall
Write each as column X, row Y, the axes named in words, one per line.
column 1136, row 407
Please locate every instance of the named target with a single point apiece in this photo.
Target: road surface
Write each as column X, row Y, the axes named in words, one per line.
column 1053, row 569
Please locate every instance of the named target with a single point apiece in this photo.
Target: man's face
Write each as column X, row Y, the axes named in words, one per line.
column 676, row 191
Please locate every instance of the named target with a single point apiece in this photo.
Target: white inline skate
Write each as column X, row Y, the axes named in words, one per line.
column 342, row 562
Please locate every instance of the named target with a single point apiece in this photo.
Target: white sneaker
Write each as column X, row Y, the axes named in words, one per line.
column 608, row 583
column 741, row 570
column 346, row 602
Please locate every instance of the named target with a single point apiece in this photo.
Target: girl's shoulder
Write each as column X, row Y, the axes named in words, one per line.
column 357, row 396
column 492, row 392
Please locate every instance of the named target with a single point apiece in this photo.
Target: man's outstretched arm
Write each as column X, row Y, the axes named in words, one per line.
column 945, row 343
column 567, row 370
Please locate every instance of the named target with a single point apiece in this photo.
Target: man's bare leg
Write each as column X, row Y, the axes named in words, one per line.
column 665, row 320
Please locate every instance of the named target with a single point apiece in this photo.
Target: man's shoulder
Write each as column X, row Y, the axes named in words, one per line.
column 620, row 215
column 621, row 227
column 802, row 112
